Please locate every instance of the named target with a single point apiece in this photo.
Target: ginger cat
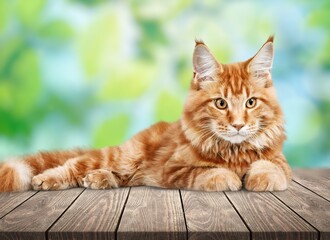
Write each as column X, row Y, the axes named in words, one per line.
column 230, row 134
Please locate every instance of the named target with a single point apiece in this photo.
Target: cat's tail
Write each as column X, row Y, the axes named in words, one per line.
column 15, row 175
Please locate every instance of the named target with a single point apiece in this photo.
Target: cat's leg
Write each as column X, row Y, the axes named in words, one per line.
column 206, row 179
column 265, row 175
column 100, row 179
column 217, row 179
column 52, row 179
column 68, row 175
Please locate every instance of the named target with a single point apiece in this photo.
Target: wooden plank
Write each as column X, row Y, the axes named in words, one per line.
column 314, row 209
column 317, row 180
column 152, row 213
column 10, row 200
column 268, row 218
column 94, row 215
column 31, row 219
column 209, row 215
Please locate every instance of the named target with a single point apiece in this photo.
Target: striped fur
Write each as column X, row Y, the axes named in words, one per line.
column 209, row 148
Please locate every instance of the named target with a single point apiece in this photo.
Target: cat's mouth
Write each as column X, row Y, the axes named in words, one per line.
column 236, row 134
column 235, row 138
column 233, row 135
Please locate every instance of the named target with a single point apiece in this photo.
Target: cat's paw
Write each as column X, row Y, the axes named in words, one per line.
column 100, row 179
column 45, row 181
column 265, row 176
column 218, row 179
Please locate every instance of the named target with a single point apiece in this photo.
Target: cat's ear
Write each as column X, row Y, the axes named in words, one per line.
column 260, row 66
column 204, row 63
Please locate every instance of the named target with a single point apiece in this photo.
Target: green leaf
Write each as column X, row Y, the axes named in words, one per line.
column 320, row 16
column 21, row 83
column 5, row 94
column 129, row 81
column 158, row 9
column 56, row 30
column 112, row 132
column 168, row 107
column 20, row 86
column 10, row 50
column 185, row 73
column 100, row 43
column 4, row 14
column 12, row 126
column 90, row 2
column 29, row 11
column 324, row 55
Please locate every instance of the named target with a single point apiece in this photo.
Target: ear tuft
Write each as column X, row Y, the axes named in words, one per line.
column 270, row 39
column 198, row 41
column 204, row 62
column 260, row 65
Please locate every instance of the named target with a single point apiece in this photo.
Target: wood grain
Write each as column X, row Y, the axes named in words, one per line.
column 8, row 201
column 209, row 215
column 309, row 206
column 94, row 215
column 31, row 219
column 302, row 212
column 152, row 213
column 268, row 218
column 317, row 180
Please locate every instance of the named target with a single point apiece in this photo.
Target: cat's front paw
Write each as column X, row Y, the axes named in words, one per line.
column 218, row 179
column 45, row 181
column 100, row 179
column 265, row 176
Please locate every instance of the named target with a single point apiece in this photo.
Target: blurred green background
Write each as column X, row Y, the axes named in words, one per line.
column 92, row 73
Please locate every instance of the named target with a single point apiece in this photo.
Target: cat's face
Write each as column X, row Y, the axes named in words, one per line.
column 235, row 102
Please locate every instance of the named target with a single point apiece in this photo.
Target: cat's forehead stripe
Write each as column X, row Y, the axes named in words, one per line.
column 234, row 87
column 235, row 80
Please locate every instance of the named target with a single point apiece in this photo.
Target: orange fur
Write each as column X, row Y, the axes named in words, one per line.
column 201, row 151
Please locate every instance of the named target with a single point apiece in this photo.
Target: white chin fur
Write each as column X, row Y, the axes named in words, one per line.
column 235, row 139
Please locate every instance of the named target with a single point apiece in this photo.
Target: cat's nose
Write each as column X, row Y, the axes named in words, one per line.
column 238, row 126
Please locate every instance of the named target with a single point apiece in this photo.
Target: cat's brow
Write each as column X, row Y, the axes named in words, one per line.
column 233, row 98
column 236, row 99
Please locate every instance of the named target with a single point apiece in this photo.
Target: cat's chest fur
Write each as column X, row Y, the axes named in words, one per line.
column 236, row 158
column 179, row 151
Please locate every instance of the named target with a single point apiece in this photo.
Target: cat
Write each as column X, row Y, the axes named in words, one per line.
column 230, row 135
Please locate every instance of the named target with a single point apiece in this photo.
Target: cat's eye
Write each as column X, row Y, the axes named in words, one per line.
column 251, row 102
column 220, row 103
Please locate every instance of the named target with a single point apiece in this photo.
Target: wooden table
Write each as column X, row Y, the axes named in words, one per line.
column 302, row 212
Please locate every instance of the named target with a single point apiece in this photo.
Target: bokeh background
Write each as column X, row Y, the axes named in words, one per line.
column 92, row 73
